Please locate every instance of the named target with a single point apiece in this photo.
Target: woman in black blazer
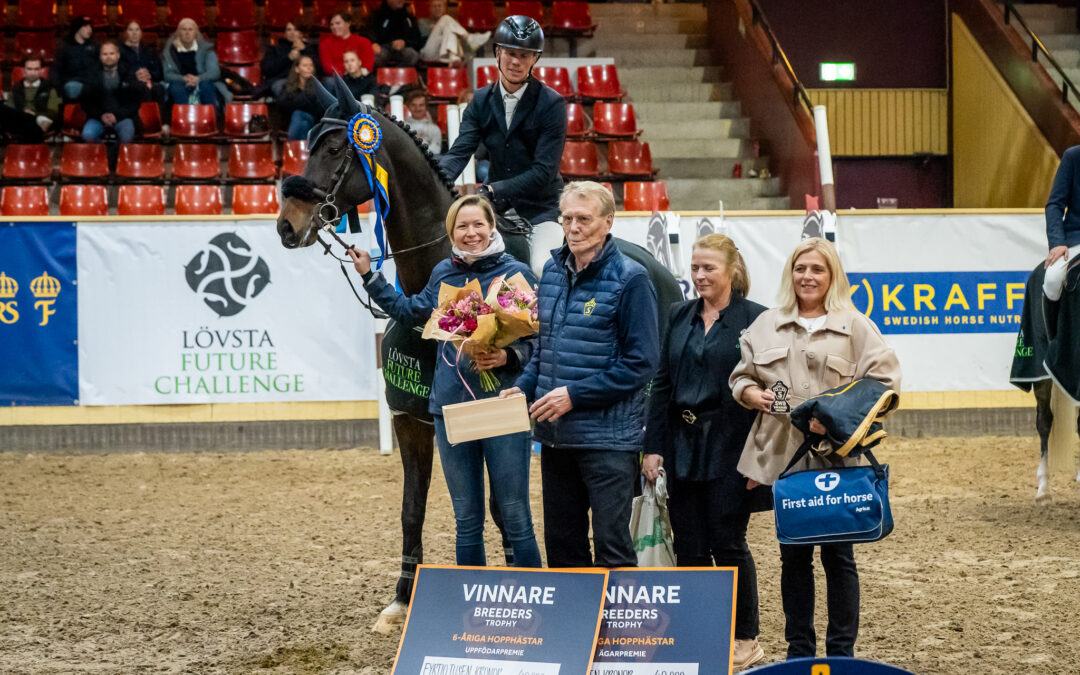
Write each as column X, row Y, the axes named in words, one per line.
column 696, row 430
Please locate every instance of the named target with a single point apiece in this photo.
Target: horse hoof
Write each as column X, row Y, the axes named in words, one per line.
column 1043, row 498
column 391, row 618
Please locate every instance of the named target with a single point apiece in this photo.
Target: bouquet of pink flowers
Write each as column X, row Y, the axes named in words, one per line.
column 476, row 324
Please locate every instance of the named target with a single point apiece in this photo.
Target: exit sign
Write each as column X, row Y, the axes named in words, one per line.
column 838, row 72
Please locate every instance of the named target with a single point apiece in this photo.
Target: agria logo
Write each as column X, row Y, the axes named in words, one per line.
column 227, row 275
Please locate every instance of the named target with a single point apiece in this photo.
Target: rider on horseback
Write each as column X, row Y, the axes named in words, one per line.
column 1062, row 223
column 522, row 123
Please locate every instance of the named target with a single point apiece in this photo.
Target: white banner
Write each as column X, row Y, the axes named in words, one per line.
column 215, row 312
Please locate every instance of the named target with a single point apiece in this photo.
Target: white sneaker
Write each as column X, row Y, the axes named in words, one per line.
column 478, row 40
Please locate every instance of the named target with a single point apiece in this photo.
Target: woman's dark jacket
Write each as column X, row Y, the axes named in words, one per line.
column 303, row 99
column 414, row 310
column 276, row 62
column 143, row 57
column 694, row 422
column 76, row 62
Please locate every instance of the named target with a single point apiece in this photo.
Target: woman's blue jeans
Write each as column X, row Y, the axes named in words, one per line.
column 507, row 458
column 300, row 124
column 206, row 91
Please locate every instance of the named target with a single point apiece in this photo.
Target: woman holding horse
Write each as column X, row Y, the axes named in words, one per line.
column 813, row 341
column 478, row 252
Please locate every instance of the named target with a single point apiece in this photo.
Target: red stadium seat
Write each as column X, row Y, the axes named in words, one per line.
column 193, row 121
column 440, row 117
column 248, row 199
column 629, row 158
column 35, row 15
column 556, row 77
column 392, row 77
column 141, row 160
column 645, row 196
column 486, row 75
column 24, row 200
column 237, row 116
column 186, row 9
column 446, row 83
column 196, row 161
column 17, row 74
column 84, row 200
column 72, row 120
column 198, row 200
column 238, row 47
column 41, row 45
column 421, row 9
column 93, row 9
column 250, row 72
column 529, row 8
column 140, row 200
column 571, row 17
column 577, row 124
column 579, row 160
column 150, row 116
column 234, row 14
column 251, row 161
column 322, row 11
column 599, row 82
column 31, row 162
column 476, row 16
column 368, row 7
column 84, row 160
column 145, row 12
column 278, row 13
column 615, row 120
column 294, row 156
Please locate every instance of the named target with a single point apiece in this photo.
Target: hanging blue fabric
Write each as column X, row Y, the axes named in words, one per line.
column 365, row 134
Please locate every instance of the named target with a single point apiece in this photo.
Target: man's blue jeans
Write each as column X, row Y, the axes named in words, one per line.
column 93, row 130
column 507, row 458
column 300, row 124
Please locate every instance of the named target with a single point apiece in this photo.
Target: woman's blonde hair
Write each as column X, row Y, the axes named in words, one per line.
column 837, row 298
column 736, row 266
column 462, row 202
column 174, row 39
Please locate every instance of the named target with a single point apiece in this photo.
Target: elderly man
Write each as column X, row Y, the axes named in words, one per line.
column 598, row 349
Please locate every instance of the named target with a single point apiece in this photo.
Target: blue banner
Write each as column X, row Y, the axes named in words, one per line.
column 941, row 302
column 666, row 621
column 473, row 620
column 39, row 361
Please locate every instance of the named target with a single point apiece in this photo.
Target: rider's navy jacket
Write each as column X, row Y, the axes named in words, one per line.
column 599, row 338
column 414, row 310
column 1063, row 226
column 524, row 157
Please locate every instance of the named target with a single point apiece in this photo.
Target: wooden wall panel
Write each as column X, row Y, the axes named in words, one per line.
column 886, row 122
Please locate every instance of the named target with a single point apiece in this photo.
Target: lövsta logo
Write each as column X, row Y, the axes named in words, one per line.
column 227, row 275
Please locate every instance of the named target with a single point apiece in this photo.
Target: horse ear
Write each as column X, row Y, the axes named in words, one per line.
column 326, row 99
column 348, row 103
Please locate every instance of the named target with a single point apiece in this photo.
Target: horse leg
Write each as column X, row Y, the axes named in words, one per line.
column 1044, row 420
column 417, row 441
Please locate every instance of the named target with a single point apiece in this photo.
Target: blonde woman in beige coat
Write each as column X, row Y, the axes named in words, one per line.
column 813, row 341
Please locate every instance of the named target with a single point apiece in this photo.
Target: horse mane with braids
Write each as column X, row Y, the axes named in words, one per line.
column 433, row 162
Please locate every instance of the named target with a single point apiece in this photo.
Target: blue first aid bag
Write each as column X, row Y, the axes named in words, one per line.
column 848, row 504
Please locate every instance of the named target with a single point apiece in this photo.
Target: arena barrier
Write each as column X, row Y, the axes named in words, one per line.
column 195, row 320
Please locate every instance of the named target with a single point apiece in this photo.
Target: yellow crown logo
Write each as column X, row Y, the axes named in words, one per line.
column 8, row 287
column 45, row 286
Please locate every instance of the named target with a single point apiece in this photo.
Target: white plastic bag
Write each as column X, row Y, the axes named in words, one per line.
column 650, row 525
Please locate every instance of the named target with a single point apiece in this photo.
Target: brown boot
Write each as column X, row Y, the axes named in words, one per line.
column 747, row 653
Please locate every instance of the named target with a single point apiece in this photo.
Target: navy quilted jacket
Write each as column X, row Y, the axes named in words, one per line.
column 599, row 338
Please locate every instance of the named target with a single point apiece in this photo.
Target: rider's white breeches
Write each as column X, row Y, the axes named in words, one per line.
column 1054, row 281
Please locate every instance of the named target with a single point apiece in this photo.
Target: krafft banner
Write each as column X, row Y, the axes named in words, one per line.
column 514, row 621
column 38, row 314
column 215, row 312
column 667, row 622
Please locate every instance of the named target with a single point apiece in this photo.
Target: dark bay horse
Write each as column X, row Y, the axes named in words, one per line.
column 334, row 182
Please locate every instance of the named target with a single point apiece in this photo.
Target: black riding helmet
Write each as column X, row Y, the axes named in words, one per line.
column 519, row 32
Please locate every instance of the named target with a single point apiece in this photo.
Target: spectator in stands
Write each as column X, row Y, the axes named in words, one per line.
column 191, row 66
column 282, row 57
column 586, row 380
column 143, row 61
column 418, row 117
column 776, row 353
column 447, row 40
column 112, row 98
column 696, row 431
column 78, row 58
column 35, row 105
column 359, row 81
column 332, row 48
column 522, row 123
column 395, row 33
column 299, row 101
